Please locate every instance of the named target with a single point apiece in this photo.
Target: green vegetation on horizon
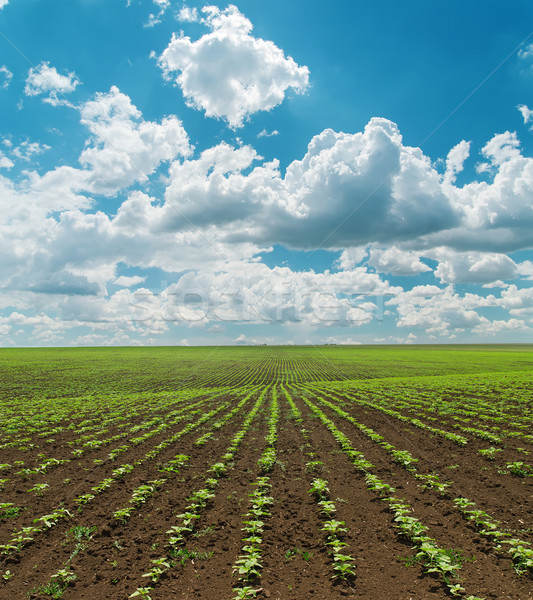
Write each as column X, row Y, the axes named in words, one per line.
column 64, row 372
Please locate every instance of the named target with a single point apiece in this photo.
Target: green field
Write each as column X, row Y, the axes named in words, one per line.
column 267, row 472
column 73, row 371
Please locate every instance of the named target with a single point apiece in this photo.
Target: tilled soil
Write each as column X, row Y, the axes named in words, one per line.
column 296, row 563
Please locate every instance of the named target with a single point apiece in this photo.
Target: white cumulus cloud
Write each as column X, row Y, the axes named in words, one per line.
column 188, row 15
column 475, row 267
column 44, row 79
column 125, row 148
column 396, row 261
column 5, row 162
column 440, row 311
column 228, row 73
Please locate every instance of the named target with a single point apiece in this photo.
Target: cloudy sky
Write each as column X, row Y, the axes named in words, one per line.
column 281, row 172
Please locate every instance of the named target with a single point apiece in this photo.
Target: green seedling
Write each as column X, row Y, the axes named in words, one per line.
column 320, row 489
column 8, row 510
column 142, row 592
column 39, row 488
column 520, row 469
column 246, row 592
column 489, row 453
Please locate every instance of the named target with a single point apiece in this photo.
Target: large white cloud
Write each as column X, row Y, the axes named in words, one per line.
column 518, row 301
column 125, row 149
column 49, row 245
column 348, row 190
column 254, row 293
column 244, row 293
column 228, row 73
column 495, row 215
column 382, row 203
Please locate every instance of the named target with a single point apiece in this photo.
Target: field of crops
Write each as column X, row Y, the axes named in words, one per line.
column 401, row 473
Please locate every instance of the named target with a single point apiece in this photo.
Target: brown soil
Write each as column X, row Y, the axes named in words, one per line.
column 113, row 561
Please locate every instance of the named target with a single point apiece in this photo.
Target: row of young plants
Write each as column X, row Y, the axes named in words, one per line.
column 80, row 535
column 236, row 374
column 520, row 550
column 429, row 481
column 40, row 419
column 249, row 562
column 26, row 535
column 143, row 492
column 522, row 556
column 171, row 467
column 460, row 420
column 494, row 398
column 45, row 418
column 452, row 437
column 518, row 468
column 87, row 446
column 433, row 400
column 179, row 534
column 433, row 558
column 343, row 564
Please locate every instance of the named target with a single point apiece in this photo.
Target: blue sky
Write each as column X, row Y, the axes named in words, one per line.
column 195, row 173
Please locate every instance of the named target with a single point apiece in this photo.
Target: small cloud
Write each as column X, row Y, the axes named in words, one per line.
column 241, row 339
column 45, row 79
column 153, row 19
column 496, row 284
column 125, row 281
column 342, row 341
column 188, row 15
column 6, row 73
column 5, row 162
column 527, row 114
column 91, row 339
column 351, row 257
column 265, row 133
column 27, row 150
column 396, row 262
column 525, row 269
column 526, row 52
column 3, row 3
column 455, row 161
